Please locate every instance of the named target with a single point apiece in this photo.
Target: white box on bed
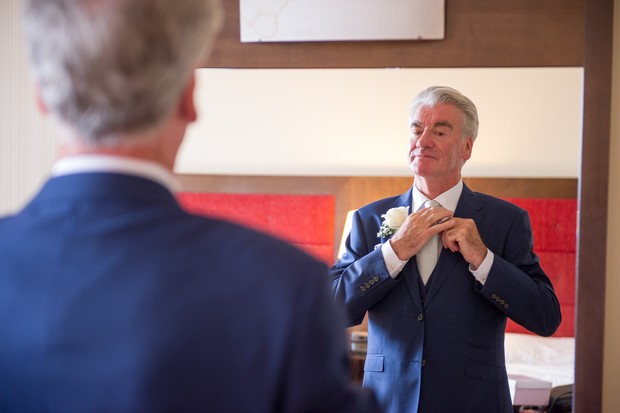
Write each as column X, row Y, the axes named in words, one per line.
column 529, row 391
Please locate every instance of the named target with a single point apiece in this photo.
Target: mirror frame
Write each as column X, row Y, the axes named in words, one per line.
column 560, row 33
column 592, row 208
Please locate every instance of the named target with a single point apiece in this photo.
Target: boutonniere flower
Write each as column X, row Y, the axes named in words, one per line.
column 392, row 220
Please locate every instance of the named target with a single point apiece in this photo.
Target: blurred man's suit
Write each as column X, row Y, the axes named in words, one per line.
column 113, row 299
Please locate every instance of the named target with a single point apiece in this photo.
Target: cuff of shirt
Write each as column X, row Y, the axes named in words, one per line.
column 393, row 264
column 483, row 270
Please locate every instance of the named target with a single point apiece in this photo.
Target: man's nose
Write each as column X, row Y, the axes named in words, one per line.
column 425, row 140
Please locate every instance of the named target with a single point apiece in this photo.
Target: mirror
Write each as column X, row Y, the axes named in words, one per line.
column 353, row 122
column 565, row 33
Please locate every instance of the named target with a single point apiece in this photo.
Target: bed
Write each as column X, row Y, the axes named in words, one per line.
column 546, row 358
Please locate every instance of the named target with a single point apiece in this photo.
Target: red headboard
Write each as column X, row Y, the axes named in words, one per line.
column 554, row 224
column 306, row 221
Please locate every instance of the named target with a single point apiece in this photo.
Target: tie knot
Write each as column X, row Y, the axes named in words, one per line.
column 431, row 203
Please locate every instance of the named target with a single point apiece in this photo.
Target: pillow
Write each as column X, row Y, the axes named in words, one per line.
column 531, row 349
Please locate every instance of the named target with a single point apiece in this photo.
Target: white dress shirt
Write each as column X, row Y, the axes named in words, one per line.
column 448, row 200
column 116, row 164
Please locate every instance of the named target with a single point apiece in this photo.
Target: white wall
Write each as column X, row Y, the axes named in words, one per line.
column 355, row 121
column 27, row 146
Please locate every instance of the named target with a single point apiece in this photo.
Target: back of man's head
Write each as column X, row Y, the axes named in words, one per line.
column 110, row 67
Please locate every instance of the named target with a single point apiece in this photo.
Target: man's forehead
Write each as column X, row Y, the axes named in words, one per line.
column 437, row 115
column 438, row 123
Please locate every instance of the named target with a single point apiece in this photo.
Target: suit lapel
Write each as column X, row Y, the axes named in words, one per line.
column 468, row 206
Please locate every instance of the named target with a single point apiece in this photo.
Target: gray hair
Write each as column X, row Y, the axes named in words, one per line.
column 436, row 95
column 116, row 66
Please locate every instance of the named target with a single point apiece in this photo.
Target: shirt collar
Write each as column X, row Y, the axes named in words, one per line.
column 118, row 164
column 448, row 199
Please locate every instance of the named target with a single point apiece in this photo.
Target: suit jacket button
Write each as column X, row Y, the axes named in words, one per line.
column 367, row 285
column 371, row 281
column 376, row 278
column 423, row 362
column 506, row 305
column 362, row 288
column 420, row 317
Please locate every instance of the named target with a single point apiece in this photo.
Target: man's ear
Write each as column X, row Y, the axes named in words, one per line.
column 469, row 144
column 40, row 103
column 187, row 107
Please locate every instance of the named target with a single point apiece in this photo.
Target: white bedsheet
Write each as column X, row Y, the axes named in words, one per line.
column 546, row 358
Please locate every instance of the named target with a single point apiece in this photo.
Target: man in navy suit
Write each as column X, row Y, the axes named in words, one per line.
column 112, row 297
column 436, row 329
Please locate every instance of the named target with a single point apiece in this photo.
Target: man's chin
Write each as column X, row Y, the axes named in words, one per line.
column 421, row 169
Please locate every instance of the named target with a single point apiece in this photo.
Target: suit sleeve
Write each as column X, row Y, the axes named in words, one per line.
column 360, row 279
column 517, row 285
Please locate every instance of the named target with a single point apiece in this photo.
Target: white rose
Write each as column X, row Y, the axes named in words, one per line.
column 394, row 217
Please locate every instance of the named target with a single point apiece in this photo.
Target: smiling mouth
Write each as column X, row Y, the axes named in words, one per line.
column 422, row 155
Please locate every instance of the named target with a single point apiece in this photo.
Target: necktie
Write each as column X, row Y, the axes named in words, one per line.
column 427, row 257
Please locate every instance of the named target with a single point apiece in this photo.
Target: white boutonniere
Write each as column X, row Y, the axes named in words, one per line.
column 392, row 220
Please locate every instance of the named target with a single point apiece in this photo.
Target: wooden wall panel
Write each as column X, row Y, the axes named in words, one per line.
column 479, row 33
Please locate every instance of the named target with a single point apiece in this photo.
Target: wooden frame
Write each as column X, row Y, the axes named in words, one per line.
column 593, row 194
column 511, row 33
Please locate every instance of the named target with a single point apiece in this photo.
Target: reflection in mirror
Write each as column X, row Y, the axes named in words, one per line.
column 353, row 122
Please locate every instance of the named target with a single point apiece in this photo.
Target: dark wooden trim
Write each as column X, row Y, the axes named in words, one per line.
column 592, row 242
column 525, row 187
column 368, row 188
column 479, row 33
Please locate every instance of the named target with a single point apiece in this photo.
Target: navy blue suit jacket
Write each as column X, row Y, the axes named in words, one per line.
column 440, row 348
column 114, row 299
